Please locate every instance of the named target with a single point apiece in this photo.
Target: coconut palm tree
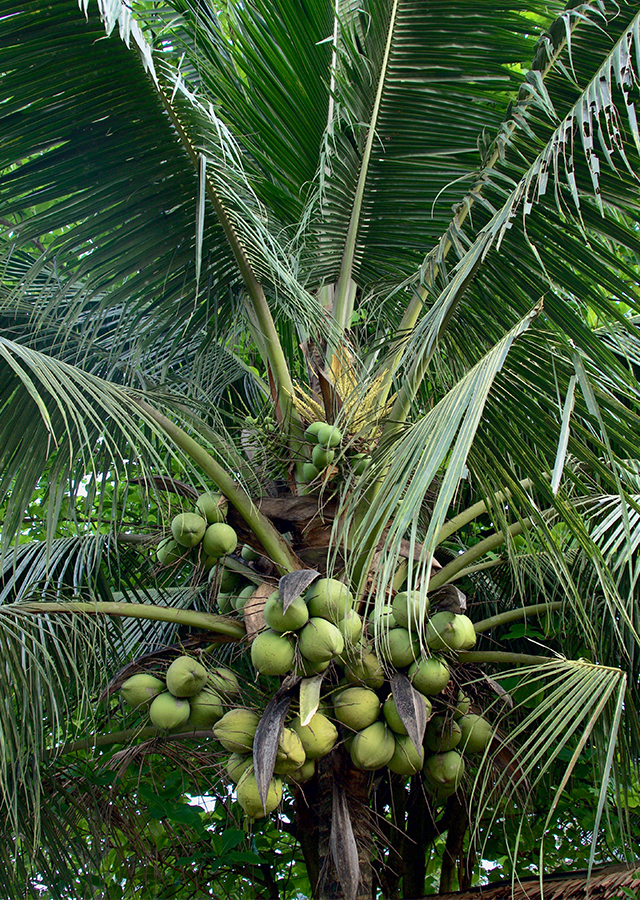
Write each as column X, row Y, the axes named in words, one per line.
column 415, row 223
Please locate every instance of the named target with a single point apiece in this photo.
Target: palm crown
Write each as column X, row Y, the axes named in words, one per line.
column 416, row 222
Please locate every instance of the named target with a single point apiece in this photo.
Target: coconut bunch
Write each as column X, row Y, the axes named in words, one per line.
column 324, row 442
column 205, row 528
column 188, row 696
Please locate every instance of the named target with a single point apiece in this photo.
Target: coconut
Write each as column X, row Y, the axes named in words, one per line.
column 464, row 627
column 311, row 434
column 476, row 734
column 372, row 747
column 249, row 554
column 225, row 602
column 212, row 507
column 399, row 647
column 462, row 706
column 236, row 730
column 406, row 760
column 442, row 734
column 444, row 770
column 309, row 472
column 429, row 676
column 307, row 669
column 329, row 436
column 219, row 540
column 295, row 617
column 321, row 457
column 237, row 765
column 304, row 773
column 360, row 462
column 272, row 653
column 186, row 676
column 168, row 712
column 140, row 689
column 239, row 599
column 229, row 580
column 356, row 707
column 249, row 796
column 392, row 715
column 318, row 737
column 365, row 668
column 223, row 682
column 384, row 619
column 329, row 599
column 406, row 610
column 169, row 552
column 290, row 754
column 350, row 627
column 320, row 641
column 206, row 709
column 188, row 529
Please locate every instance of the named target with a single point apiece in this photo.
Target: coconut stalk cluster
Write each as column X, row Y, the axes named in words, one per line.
column 324, row 441
column 384, row 701
column 187, row 697
column 205, row 530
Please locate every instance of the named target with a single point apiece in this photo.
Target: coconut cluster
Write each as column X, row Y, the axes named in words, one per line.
column 188, row 696
column 321, row 628
column 325, row 440
column 206, row 529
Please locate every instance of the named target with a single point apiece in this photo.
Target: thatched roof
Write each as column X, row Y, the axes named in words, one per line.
column 610, row 883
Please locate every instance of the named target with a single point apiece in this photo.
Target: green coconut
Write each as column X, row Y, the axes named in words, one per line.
column 392, row 716
column 236, row 730
column 307, row 669
column 296, row 616
column 239, row 599
column 225, row 602
column 206, row 709
column 372, row 747
column 329, row 436
column 169, row 552
column 186, row 676
column 229, row 580
column 311, row 433
column 168, row 712
column 320, row 641
column 429, row 675
column 444, row 770
column 249, row 554
column 406, row 610
column 290, row 755
column 188, row 529
column 140, row 689
column 318, row 736
column 462, row 706
column 237, row 765
column 464, row 626
column 309, row 472
column 442, row 734
column 322, row 457
column 406, row 760
column 305, row 773
column 272, row 653
column 223, row 682
column 360, row 462
column 384, row 619
column 219, row 540
column 249, row 796
column 350, row 627
column 476, row 734
column 212, row 507
column 356, row 707
column 329, row 599
column 399, row 647
column 365, row 668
